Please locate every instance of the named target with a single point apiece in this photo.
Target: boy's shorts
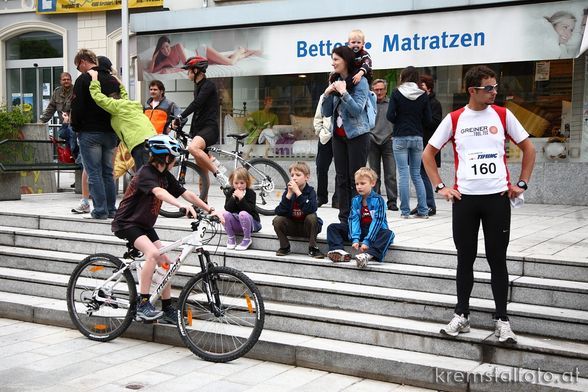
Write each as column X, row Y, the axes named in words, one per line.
column 132, row 233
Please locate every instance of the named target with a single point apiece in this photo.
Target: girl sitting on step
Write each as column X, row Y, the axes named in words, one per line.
column 240, row 216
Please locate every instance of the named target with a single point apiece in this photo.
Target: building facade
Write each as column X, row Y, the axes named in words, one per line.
column 281, row 49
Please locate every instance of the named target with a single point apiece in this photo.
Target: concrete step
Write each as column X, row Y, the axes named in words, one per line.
column 546, row 292
column 359, row 297
column 171, row 229
column 330, row 354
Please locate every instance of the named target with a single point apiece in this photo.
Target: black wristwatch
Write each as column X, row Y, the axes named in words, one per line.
column 522, row 184
column 439, row 187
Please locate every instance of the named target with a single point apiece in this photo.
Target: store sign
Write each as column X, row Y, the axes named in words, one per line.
column 68, row 6
column 504, row 34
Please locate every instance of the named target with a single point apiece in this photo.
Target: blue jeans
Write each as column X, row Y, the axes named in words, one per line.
column 97, row 148
column 405, row 148
column 428, row 189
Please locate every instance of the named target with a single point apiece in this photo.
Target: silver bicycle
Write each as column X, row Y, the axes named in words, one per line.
column 269, row 178
column 220, row 311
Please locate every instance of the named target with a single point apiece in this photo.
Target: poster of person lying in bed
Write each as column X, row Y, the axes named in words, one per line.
column 229, row 54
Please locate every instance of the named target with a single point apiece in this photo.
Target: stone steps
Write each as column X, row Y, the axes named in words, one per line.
column 379, row 361
column 361, row 314
column 381, row 323
column 172, row 229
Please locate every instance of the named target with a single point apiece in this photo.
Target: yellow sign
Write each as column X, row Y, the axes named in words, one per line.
column 69, row 6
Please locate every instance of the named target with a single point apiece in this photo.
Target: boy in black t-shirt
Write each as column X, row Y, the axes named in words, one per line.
column 296, row 213
column 137, row 213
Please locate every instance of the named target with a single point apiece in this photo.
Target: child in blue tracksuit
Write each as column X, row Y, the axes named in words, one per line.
column 366, row 228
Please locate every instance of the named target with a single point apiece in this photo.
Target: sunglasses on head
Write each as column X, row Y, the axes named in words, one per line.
column 489, row 88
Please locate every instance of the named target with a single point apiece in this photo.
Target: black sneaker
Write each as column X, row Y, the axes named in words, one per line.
column 283, row 251
column 432, row 211
column 169, row 316
column 392, row 207
column 413, row 212
column 315, row 252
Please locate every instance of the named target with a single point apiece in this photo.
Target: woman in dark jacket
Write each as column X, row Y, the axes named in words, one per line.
column 346, row 103
column 409, row 111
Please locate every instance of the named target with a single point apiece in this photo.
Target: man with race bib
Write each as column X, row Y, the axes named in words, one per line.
column 482, row 191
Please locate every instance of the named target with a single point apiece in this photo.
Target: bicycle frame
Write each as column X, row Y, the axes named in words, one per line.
column 189, row 244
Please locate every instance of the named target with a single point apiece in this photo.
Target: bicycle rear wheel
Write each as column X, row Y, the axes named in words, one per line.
column 101, row 310
column 270, row 181
column 227, row 328
column 194, row 180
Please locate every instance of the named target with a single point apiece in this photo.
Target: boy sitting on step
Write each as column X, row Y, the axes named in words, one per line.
column 366, row 228
column 296, row 213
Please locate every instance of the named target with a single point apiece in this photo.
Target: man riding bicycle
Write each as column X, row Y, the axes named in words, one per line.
column 137, row 213
column 204, row 129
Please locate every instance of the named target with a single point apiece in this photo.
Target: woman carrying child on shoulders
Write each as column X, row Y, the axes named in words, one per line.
column 240, row 216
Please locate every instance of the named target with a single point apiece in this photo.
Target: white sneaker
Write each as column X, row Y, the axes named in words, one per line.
column 231, row 243
column 362, row 260
column 504, row 333
column 222, row 179
column 338, row 255
column 244, row 245
column 458, row 324
column 82, row 208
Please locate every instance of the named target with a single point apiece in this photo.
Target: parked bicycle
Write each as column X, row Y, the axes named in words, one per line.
column 269, row 178
column 220, row 312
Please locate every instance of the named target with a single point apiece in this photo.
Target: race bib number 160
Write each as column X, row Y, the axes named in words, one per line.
column 482, row 164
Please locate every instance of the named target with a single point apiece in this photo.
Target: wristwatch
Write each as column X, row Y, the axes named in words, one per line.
column 522, row 184
column 439, row 187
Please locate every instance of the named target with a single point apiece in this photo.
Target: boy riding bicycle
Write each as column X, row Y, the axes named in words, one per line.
column 137, row 213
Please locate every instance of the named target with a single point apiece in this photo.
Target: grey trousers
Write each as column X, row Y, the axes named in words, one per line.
column 382, row 153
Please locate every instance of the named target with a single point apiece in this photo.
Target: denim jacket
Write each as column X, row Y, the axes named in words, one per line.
column 353, row 109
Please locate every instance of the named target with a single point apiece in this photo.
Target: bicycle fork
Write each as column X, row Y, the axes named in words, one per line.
column 209, row 285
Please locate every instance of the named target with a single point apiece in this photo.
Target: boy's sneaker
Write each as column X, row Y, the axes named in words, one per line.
column 283, row 251
column 362, row 260
column 82, row 208
column 231, row 243
column 246, row 243
column 169, row 316
column 147, row 312
column 222, row 179
column 458, row 324
column 338, row 255
column 315, row 252
column 504, row 333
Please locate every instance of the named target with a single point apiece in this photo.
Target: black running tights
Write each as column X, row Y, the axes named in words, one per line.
column 494, row 213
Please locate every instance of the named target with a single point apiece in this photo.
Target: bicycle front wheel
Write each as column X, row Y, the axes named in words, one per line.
column 101, row 309
column 226, row 327
column 270, row 182
column 193, row 180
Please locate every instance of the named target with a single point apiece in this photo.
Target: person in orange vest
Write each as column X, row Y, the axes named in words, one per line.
column 158, row 108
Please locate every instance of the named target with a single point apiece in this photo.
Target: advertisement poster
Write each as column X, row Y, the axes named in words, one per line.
column 531, row 32
column 69, row 6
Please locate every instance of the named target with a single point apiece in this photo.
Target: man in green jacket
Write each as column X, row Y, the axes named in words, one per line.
column 126, row 118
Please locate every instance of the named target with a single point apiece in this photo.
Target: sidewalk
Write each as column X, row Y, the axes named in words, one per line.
column 35, row 357
column 539, row 231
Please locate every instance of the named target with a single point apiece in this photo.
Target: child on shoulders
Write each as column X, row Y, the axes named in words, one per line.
column 362, row 61
column 240, row 216
column 366, row 228
column 296, row 213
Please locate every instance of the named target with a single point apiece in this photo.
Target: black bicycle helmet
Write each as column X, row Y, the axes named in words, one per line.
column 198, row 62
column 163, row 145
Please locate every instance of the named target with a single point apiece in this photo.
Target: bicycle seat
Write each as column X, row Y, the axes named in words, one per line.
column 132, row 252
column 238, row 136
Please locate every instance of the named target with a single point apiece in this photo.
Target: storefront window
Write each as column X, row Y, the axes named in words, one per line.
column 34, row 45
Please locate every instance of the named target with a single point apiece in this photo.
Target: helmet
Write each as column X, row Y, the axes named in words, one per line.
column 163, row 145
column 198, row 62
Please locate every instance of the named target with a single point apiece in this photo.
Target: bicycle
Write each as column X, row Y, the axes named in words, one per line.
column 220, row 311
column 269, row 178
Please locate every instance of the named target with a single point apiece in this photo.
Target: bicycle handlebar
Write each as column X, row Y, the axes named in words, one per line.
column 202, row 215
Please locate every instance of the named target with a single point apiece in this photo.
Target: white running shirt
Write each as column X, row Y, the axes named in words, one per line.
column 479, row 146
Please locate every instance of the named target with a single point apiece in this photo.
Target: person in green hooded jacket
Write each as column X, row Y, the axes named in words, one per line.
column 127, row 119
